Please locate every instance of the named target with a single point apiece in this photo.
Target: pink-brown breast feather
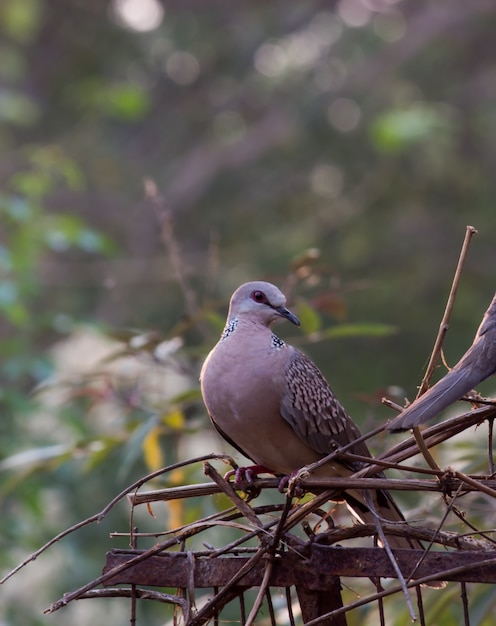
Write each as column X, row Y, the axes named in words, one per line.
column 243, row 383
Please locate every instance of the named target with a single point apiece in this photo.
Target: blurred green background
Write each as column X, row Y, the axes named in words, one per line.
column 338, row 149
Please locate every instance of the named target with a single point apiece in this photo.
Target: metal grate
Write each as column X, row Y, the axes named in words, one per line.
column 287, row 563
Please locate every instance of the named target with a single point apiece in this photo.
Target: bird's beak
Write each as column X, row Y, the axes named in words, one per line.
column 286, row 313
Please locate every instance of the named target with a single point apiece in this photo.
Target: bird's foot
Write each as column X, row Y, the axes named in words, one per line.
column 246, row 474
column 291, row 481
column 244, row 477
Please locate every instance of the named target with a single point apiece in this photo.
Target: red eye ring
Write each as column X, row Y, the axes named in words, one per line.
column 259, row 296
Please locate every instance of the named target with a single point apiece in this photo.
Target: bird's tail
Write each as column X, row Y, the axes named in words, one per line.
column 386, row 510
column 449, row 389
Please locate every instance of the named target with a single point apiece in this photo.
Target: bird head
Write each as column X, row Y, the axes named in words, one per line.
column 261, row 302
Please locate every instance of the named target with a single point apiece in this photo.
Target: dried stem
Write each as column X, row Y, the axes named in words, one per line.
column 389, row 552
column 443, row 327
column 164, row 215
column 382, row 594
column 269, row 565
column 98, row 517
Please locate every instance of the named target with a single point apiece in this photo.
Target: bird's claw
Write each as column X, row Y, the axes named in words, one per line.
column 292, row 483
column 245, row 476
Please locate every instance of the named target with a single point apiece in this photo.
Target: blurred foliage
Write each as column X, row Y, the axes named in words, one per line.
column 336, row 148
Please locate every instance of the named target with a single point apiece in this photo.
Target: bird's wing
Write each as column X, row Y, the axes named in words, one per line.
column 313, row 411
column 317, row 417
column 488, row 324
column 446, row 391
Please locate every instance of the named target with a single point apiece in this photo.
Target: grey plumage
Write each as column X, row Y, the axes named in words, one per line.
column 313, row 411
column 477, row 364
column 274, row 405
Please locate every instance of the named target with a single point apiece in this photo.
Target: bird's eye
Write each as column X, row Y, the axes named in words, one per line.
column 259, row 296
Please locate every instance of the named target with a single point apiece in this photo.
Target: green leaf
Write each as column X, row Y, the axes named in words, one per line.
column 191, row 395
column 5, row 260
column 32, row 184
column 120, row 100
column 397, row 129
column 309, row 318
column 357, row 330
column 62, row 232
column 133, row 450
column 127, row 102
column 216, row 321
column 10, row 304
column 9, row 293
column 21, row 20
column 35, row 456
column 16, row 208
column 99, row 450
column 17, row 108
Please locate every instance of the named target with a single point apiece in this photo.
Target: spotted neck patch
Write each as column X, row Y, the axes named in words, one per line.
column 229, row 329
column 276, row 342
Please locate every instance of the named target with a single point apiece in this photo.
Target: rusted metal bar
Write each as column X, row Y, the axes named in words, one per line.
column 315, row 571
column 313, row 604
column 172, row 570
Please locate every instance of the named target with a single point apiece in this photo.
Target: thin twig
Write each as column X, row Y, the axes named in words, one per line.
column 347, row 456
column 280, row 528
column 269, row 566
column 98, row 517
column 204, row 613
column 340, row 483
column 402, row 451
column 308, row 469
column 464, row 597
column 475, row 484
column 462, row 517
column 78, row 593
column 134, row 545
column 270, row 556
column 389, row 552
column 433, row 436
column 443, row 327
column 164, row 215
column 142, row 594
column 388, row 592
column 227, row 488
column 420, row 605
column 490, row 434
column 435, row 535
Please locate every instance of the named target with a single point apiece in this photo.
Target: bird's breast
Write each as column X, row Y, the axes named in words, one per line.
column 243, row 394
column 241, row 386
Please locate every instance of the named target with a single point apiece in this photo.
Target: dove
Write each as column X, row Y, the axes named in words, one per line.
column 272, row 403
